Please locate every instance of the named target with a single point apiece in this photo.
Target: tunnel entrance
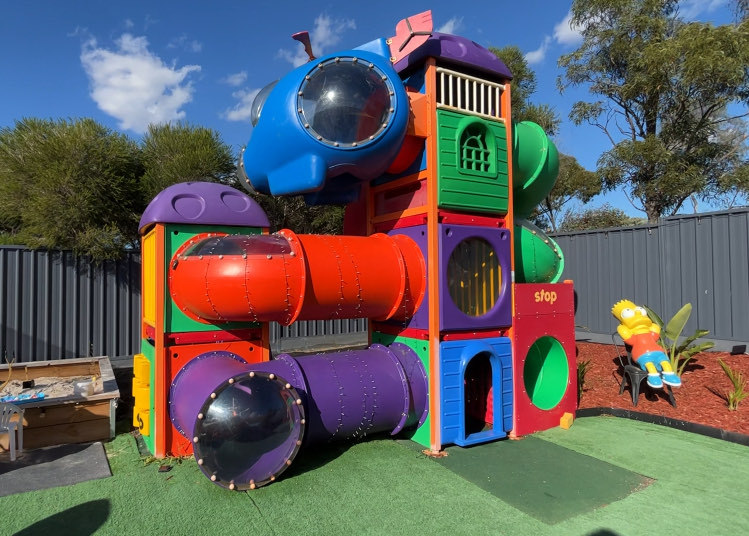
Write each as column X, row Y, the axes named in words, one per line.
column 479, row 403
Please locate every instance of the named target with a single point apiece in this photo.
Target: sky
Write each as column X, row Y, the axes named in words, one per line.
column 128, row 64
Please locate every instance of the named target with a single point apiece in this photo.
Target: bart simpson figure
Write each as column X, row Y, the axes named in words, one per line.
column 641, row 333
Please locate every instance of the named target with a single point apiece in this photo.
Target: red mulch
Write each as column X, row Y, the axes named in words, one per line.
column 700, row 399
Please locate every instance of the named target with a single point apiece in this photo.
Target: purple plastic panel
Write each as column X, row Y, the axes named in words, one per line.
column 500, row 315
column 456, row 50
column 204, row 203
column 418, row 234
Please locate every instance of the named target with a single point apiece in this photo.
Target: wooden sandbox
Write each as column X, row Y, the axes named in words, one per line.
column 65, row 415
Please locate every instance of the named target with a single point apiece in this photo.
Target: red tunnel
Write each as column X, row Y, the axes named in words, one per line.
column 286, row 277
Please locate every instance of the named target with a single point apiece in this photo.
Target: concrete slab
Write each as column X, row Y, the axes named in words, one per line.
column 50, row 467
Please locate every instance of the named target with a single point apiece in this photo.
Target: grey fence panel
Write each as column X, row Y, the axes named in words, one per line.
column 54, row 305
column 702, row 259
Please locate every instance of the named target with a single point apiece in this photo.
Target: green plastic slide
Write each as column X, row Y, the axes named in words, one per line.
column 538, row 259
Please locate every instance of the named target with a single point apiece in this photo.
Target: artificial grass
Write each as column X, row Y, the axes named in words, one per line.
column 542, row 479
column 383, row 487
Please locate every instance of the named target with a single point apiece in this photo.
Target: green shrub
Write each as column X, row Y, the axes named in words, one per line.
column 679, row 352
column 739, row 386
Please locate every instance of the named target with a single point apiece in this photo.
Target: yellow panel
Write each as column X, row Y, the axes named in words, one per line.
column 148, row 256
column 141, row 369
column 141, row 419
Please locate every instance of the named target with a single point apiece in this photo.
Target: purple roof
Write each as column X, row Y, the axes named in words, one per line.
column 457, row 50
column 203, row 203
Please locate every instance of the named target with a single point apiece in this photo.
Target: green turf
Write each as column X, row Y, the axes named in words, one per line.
column 384, row 487
column 544, row 480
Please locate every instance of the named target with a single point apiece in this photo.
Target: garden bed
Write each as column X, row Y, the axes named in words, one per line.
column 700, row 400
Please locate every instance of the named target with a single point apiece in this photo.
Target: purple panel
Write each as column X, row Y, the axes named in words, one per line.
column 456, row 50
column 203, row 203
column 451, row 317
column 195, row 382
column 418, row 234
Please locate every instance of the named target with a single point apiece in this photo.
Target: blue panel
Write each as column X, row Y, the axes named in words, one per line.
column 454, row 358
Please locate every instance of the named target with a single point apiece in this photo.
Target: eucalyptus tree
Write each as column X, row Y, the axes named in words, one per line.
column 671, row 96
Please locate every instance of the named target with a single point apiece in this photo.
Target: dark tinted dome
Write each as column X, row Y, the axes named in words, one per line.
column 249, row 431
column 346, row 102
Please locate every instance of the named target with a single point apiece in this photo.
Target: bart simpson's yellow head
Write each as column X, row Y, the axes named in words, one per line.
column 631, row 315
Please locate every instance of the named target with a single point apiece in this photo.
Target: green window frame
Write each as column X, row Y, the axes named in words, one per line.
column 476, row 150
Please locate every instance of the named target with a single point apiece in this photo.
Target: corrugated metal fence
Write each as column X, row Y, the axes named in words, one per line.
column 53, row 305
column 702, row 259
column 56, row 306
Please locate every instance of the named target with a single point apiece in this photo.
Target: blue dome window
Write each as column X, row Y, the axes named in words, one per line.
column 346, row 102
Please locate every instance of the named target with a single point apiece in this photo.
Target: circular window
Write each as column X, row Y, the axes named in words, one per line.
column 259, row 102
column 474, row 277
column 546, row 372
column 346, row 102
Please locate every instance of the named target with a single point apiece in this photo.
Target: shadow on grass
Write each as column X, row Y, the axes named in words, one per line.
column 42, row 455
column 316, row 456
column 81, row 520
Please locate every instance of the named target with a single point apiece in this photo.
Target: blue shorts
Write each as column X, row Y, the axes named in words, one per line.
column 655, row 357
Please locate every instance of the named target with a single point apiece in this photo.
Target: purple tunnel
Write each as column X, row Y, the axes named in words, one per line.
column 247, row 422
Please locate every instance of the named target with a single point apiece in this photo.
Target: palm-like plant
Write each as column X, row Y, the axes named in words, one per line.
column 679, row 352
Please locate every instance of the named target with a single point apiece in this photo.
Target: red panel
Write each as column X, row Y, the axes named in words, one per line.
column 150, row 332
column 544, row 298
column 556, row 320
column 475, row 334
column 408, row 221
column 203, row 337
column 455, row 218
column 177, row 357
column 412, row 194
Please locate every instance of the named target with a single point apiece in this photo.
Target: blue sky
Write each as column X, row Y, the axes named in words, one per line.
column 127, row 64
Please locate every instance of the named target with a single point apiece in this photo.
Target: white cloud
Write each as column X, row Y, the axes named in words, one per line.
column 241, row 110
column 538, row 55
column 566, row 34
column 325, row 34
column 183, row 43
column 452, row 26
column 236, row 79
column 691, row 9
column 135, row 86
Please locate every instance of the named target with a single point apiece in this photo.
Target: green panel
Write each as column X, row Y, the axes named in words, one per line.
column 471, row 178
column 421, row 348
column 175, row 321
column 148, row 350
column 546, row 372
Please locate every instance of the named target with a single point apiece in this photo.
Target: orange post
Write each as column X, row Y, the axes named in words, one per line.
column 433, row 258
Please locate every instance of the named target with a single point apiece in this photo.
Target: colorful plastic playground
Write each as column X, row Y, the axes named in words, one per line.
column 471, row 333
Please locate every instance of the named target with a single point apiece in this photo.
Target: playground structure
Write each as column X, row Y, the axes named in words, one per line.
column 471, row 330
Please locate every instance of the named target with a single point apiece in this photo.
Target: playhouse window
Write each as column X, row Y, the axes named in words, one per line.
column 474, row 277
column 476, row 150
